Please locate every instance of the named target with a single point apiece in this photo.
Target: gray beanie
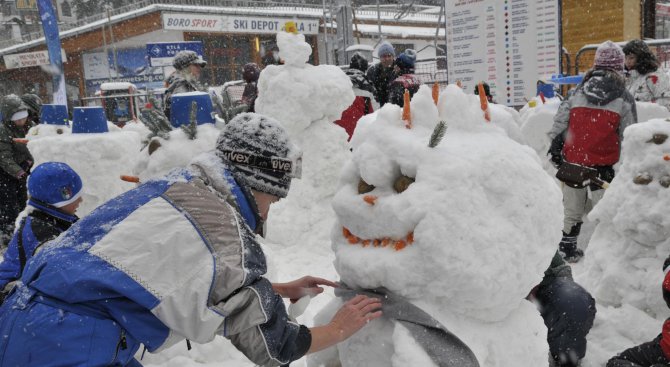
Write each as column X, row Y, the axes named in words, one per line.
column 263, row 137
column 11, row 104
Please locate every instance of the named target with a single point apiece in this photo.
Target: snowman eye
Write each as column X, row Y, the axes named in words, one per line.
column 665, row 181
column 643, row 178
column 364, row 187
column 402, row 183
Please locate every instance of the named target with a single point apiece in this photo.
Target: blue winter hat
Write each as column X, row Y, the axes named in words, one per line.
column 54, row 183
column 385, row 49
column 406, row 59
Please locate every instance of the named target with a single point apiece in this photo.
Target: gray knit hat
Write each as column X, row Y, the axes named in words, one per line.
column 187, row 57
column 11, row 104
column 259, row 152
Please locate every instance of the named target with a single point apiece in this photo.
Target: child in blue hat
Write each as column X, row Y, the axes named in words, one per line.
column 55, row 194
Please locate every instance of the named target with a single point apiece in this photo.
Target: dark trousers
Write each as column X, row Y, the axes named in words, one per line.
column 648, row 354
column 13, row 197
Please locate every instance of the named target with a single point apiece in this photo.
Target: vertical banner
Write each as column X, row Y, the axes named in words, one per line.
column 50, row 26
column 511, row 44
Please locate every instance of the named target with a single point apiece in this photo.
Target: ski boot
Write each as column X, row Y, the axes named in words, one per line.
column 568, row 245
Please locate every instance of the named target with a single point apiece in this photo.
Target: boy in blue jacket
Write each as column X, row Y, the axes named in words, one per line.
column 55, row 194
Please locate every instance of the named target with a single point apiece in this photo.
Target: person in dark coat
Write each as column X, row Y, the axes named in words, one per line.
column 406, row 80
column 34, row 104
column 186, row 78
column 487, row 91
column 568, row 311
column 250, row 74
column 382, row 73
column 655, row 353
column 15, row 163
column 364, row 92
column 55, row 194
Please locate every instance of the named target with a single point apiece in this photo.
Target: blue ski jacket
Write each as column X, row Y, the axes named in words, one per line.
column 172, row 259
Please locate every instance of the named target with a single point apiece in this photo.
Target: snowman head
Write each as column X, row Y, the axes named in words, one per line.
column 469, row 223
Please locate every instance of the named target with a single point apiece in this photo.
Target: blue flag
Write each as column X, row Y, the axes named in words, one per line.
column 50, row 26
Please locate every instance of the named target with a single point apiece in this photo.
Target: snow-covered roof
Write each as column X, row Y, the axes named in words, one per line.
column 285, row 11
column 360, row 48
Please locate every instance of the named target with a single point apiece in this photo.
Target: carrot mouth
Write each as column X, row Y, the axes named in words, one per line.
column 396, row 244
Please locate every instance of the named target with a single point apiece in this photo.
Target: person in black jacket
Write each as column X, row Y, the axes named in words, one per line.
column 655, row 353
column 568, row 311
column 382, row 73
column 15, row 163
column 55, row 194
column 406, row 80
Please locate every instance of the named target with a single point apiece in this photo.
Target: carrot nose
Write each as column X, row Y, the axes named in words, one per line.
column 666, row 157
column 370, row 199
column 128, row 178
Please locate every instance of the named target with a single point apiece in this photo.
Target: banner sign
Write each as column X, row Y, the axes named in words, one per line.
column 26, row 4
column 161, row 54
column 131, row 66
column 29, row 59
column 510, row 44
column 50, row 26
column 235, row 23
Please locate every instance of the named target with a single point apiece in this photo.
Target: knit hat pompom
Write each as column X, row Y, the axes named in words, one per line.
column 261, row 136
column 609, row 56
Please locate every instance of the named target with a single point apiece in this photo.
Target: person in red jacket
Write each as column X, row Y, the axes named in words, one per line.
column 364, row 91
column 655, row 353
column 587, row 131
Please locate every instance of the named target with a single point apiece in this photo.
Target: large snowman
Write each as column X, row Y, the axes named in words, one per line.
column 462, row 230
column 306, row 99
column 623, row 263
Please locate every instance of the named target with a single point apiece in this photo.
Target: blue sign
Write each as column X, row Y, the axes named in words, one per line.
column 161, row 54
column 131, row 66
column 50, row 26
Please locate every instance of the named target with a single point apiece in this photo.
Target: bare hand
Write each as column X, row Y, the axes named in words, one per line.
column 305, row 286
column 355, row 314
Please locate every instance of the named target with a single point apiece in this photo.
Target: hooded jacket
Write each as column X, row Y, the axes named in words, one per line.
column 651, row 87
column 172, row 259
column 593, row 119
column 43, row 223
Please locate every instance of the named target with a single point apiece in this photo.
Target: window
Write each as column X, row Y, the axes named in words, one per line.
column 65, row 9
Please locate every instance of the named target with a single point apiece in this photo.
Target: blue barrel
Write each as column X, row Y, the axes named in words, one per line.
column 180, row 110
column 89, row 120
column 53, row 114
column 545, row 88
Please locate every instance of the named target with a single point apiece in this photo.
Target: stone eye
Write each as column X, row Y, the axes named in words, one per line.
column 364, row 187
column 658, row 139
column 643, row 179
column 402, row 183
column 665, row 181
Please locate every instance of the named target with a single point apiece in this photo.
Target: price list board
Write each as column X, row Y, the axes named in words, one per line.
column 510, row 44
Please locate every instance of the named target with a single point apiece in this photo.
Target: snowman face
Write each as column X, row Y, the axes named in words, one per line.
column 442, row 224
column 642, row 190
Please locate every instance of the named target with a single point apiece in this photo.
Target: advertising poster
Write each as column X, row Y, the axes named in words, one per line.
column 131, row 66
column 510, row 44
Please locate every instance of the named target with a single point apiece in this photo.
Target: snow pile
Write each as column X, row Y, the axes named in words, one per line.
column 648, row 111
column 508, row 119
column 535, row 124
column 175, row 152
column 623, row 263
column 98, row 158
column 297, row 93
column 463, row 230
